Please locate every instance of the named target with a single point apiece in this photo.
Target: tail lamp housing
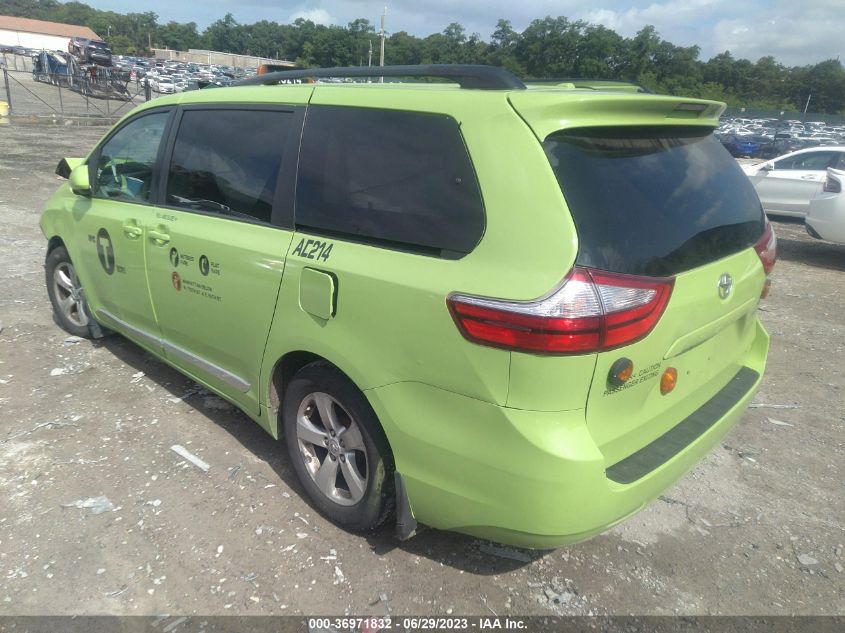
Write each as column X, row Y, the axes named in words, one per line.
column 767, row 250
column 589, row 311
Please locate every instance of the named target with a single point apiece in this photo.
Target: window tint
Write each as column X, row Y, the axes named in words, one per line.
column 126, row 162
column 810, row 160
column 388, row 177
column 653, row 201
column 227, row 161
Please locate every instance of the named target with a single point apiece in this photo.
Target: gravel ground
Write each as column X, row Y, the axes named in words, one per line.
column 756, row 528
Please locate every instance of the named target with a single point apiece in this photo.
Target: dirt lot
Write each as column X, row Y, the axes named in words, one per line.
column 757, row 528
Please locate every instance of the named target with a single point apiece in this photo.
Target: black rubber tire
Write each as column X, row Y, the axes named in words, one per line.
column 378, row 501
column 55, row 257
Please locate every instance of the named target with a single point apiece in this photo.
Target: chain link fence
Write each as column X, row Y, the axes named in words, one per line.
column 101, row 93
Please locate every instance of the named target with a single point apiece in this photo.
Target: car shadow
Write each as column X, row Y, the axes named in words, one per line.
column 455, row 550
column 795, row 245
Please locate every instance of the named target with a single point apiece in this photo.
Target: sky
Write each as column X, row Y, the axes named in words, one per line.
column 793, row 32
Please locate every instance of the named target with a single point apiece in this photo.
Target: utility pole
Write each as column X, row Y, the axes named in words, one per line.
column 381, row 35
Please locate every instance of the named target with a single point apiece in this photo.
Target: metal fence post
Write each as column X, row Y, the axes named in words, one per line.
column 8, row 90
column 147, row 91
column 61, row 102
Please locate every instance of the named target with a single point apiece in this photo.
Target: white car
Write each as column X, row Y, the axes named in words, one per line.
column 787, row 184
column 165, row 85
column 826, row 219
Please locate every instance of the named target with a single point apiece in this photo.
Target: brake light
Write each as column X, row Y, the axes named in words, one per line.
column 767, row 249
column 590, row 311
column 832, row 185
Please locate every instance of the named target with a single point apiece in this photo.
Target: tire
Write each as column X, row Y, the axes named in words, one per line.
column 67, row 296
column 337, row 448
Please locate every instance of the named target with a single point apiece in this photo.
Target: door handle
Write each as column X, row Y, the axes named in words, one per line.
column 808, row 177
column 158, row 236
column 132, row 230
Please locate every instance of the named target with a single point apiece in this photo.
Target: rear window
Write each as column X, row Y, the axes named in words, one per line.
column 653, row 201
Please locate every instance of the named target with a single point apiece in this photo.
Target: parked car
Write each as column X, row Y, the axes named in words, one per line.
column 740, row 146
column 826, row 218
column 779, row 147
column 787, row 184
column 164, row 84
column 89, row 51
column 528, row 355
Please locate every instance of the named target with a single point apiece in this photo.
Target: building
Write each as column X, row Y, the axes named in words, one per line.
column 39, row 34
column 195, row 56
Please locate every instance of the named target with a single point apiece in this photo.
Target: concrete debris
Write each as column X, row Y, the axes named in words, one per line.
column 136, row 377
column 174, row 624
column 838, row 567
column 218, row 404
column 73, row 340
column 806, row 559
column 196, row 461
column 778, row 422
column 58, row 371
column 249, row 577
column 116, row 592
column 505, row 552
column 97, row 505
column 187, row 394
column 760, row 405
column 339, row 577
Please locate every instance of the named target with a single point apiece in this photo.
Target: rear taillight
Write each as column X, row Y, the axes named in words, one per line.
column 590, row 311
column 767, row 249
column 832, row 185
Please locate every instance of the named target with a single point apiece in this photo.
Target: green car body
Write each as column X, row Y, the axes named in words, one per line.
column 531, row 449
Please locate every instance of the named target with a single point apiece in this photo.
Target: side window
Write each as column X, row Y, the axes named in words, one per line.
column 810, row 160
column 227, row 161
column 388, row 177
column 126, row 162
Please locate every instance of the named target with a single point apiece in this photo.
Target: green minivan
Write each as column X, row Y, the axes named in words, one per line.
column 516, row 313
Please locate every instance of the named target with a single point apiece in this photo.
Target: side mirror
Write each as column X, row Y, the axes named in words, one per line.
column 767, row 167
column 79, row 182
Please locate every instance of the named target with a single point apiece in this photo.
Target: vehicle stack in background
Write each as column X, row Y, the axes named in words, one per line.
column 166, row 77
column 769, row 138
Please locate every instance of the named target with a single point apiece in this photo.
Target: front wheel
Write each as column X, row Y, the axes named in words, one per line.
column 337, row 448
column 66, row 294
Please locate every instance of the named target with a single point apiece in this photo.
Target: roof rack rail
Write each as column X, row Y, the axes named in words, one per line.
column 477, row 77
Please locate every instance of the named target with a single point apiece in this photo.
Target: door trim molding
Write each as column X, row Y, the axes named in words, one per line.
column 189, row 357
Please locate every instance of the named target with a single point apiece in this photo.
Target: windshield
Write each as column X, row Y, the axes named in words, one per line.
column 653, row 200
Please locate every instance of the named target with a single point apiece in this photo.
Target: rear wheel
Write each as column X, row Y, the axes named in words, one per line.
column 337, row 448
column 66, row 294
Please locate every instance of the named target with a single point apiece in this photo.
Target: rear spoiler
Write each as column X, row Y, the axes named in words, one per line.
column 547, row 112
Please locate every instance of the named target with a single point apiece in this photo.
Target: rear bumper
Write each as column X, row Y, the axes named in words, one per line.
column 529, row 478
column 826, row 219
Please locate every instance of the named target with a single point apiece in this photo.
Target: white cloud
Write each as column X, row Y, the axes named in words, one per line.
column 317, row 16
column 801, row 36
column 791, row 31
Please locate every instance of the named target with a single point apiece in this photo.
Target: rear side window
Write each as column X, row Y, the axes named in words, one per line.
column 653, row 201
column 227, row 161
column 393, row 178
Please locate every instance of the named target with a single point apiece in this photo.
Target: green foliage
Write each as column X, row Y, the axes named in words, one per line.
column 549, row 48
